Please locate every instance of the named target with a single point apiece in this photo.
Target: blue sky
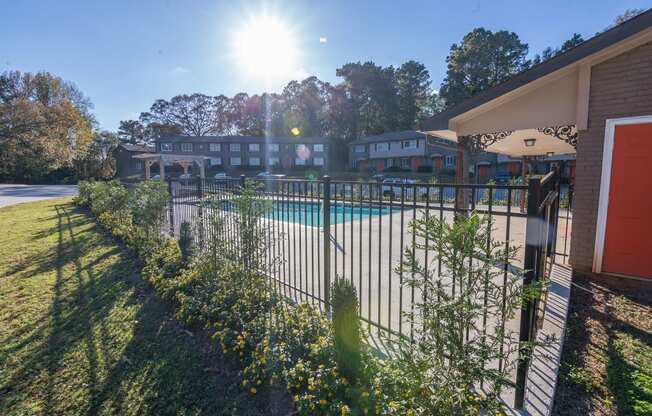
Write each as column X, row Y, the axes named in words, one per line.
column 126, row 54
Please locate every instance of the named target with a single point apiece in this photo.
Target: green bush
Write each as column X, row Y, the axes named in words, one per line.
column 186, row 242
column 346, row 328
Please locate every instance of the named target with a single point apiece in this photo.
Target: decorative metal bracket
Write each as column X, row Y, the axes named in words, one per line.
column 480, row 142
column 567, row 133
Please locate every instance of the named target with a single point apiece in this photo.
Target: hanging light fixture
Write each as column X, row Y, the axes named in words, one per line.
column 550, row 154
column 529, row 142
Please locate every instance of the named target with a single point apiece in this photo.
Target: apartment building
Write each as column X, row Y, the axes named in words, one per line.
column 249, row 154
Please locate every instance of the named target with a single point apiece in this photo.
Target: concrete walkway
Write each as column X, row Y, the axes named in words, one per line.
column 16, row 194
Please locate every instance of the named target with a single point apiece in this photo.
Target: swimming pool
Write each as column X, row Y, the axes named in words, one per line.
column 311, row 213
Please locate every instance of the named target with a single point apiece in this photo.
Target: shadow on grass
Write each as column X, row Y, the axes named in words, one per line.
column 108, row 345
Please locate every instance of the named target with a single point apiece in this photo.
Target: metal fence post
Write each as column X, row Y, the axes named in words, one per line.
column 200, row 208
column 242, row 181
column 326, row 228
column 532, row 242
column 171, row 206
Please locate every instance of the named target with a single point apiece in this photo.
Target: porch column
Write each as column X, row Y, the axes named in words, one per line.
column 161, row 167
column 201, row 169
column 148, row 165
column 462, row 175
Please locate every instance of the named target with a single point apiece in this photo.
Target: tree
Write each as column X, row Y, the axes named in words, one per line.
column 45, row 124
column 627, row 15
column 548, row 53
column 482, row 60
column 414, row 94
column 97, row 161
column 132, row 132
column 194, row 115
column 373, row 97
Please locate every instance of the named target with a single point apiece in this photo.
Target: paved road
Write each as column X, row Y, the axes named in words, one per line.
column 16, row 194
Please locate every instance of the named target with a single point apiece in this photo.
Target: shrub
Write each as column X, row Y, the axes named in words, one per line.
column 346, row 329
column 186, row 242
column 148, row 202
column 454, row 349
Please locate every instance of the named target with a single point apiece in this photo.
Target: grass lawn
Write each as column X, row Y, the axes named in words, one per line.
column 606, row 366
column 80, row 333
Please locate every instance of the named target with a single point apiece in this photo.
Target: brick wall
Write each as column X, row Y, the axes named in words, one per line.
column 620, row 87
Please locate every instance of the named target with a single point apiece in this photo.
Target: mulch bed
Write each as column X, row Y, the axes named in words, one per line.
column 607, row 344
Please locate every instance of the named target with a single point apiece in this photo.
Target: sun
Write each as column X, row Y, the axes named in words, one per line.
column 265, row 47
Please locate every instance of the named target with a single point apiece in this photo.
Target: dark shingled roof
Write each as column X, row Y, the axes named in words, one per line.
column 137, row 148
column 241, row 139
column 595, row 44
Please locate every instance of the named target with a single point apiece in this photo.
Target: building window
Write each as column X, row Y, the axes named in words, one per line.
column 382, row 147
column 234, row 147
column 405, row 163
column 318, row 148
column 273, row 147
column 359, row 148
column 215, row 147
column 409, row 144
column 186, row 147
column 299, row 161
column 274, row 161
column 300, row 147
column 139, row 164
column 449, row 160
column 254, row 161
column 216, row 161
column 254, row 147
column 166, row 147
column 389, row 163
column 318, row 161
column 235, row 161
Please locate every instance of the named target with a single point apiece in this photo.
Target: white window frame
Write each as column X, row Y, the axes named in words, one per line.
column 405, row 163
column 234, row 147
column 254, row 147
column 274, row 161
column 300, row 146
column 186, row 147
column 299, row 161
column 273, row 147
column 318, row 161
column 234, row 160
column 216, row 161
column 409, row 144
column 254, row 161
column 605, row 183
column 167, row 147
column 214, row 147
column 359, row 148
column 449, row 160
column 318, row 147
column 386, row 147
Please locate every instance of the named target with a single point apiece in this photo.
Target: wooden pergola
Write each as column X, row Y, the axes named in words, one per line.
column 185, row 161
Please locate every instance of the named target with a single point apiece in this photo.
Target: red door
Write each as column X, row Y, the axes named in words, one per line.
column 628, row 245
column 483, row 172
column 437, row 161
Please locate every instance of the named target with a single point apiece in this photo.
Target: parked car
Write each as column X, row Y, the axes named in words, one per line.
column 156, row 177
column 185, row 176
column 392, row 187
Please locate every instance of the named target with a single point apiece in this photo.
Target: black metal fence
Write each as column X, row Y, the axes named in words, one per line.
column 319, row 229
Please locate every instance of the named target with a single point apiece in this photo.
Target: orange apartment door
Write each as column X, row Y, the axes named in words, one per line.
column 628, row 233
column 483, row 172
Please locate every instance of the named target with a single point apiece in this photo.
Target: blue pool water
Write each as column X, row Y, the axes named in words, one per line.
column 310, row 213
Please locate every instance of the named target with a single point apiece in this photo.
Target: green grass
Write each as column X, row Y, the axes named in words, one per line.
column 80, row 333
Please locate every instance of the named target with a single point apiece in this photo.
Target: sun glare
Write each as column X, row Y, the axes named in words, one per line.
column 265, row 47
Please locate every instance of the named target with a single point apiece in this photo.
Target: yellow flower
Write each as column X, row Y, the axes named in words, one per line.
column 253, row 390
column 345, row 411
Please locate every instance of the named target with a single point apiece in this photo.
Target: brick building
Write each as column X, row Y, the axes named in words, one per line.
column 594, row 100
